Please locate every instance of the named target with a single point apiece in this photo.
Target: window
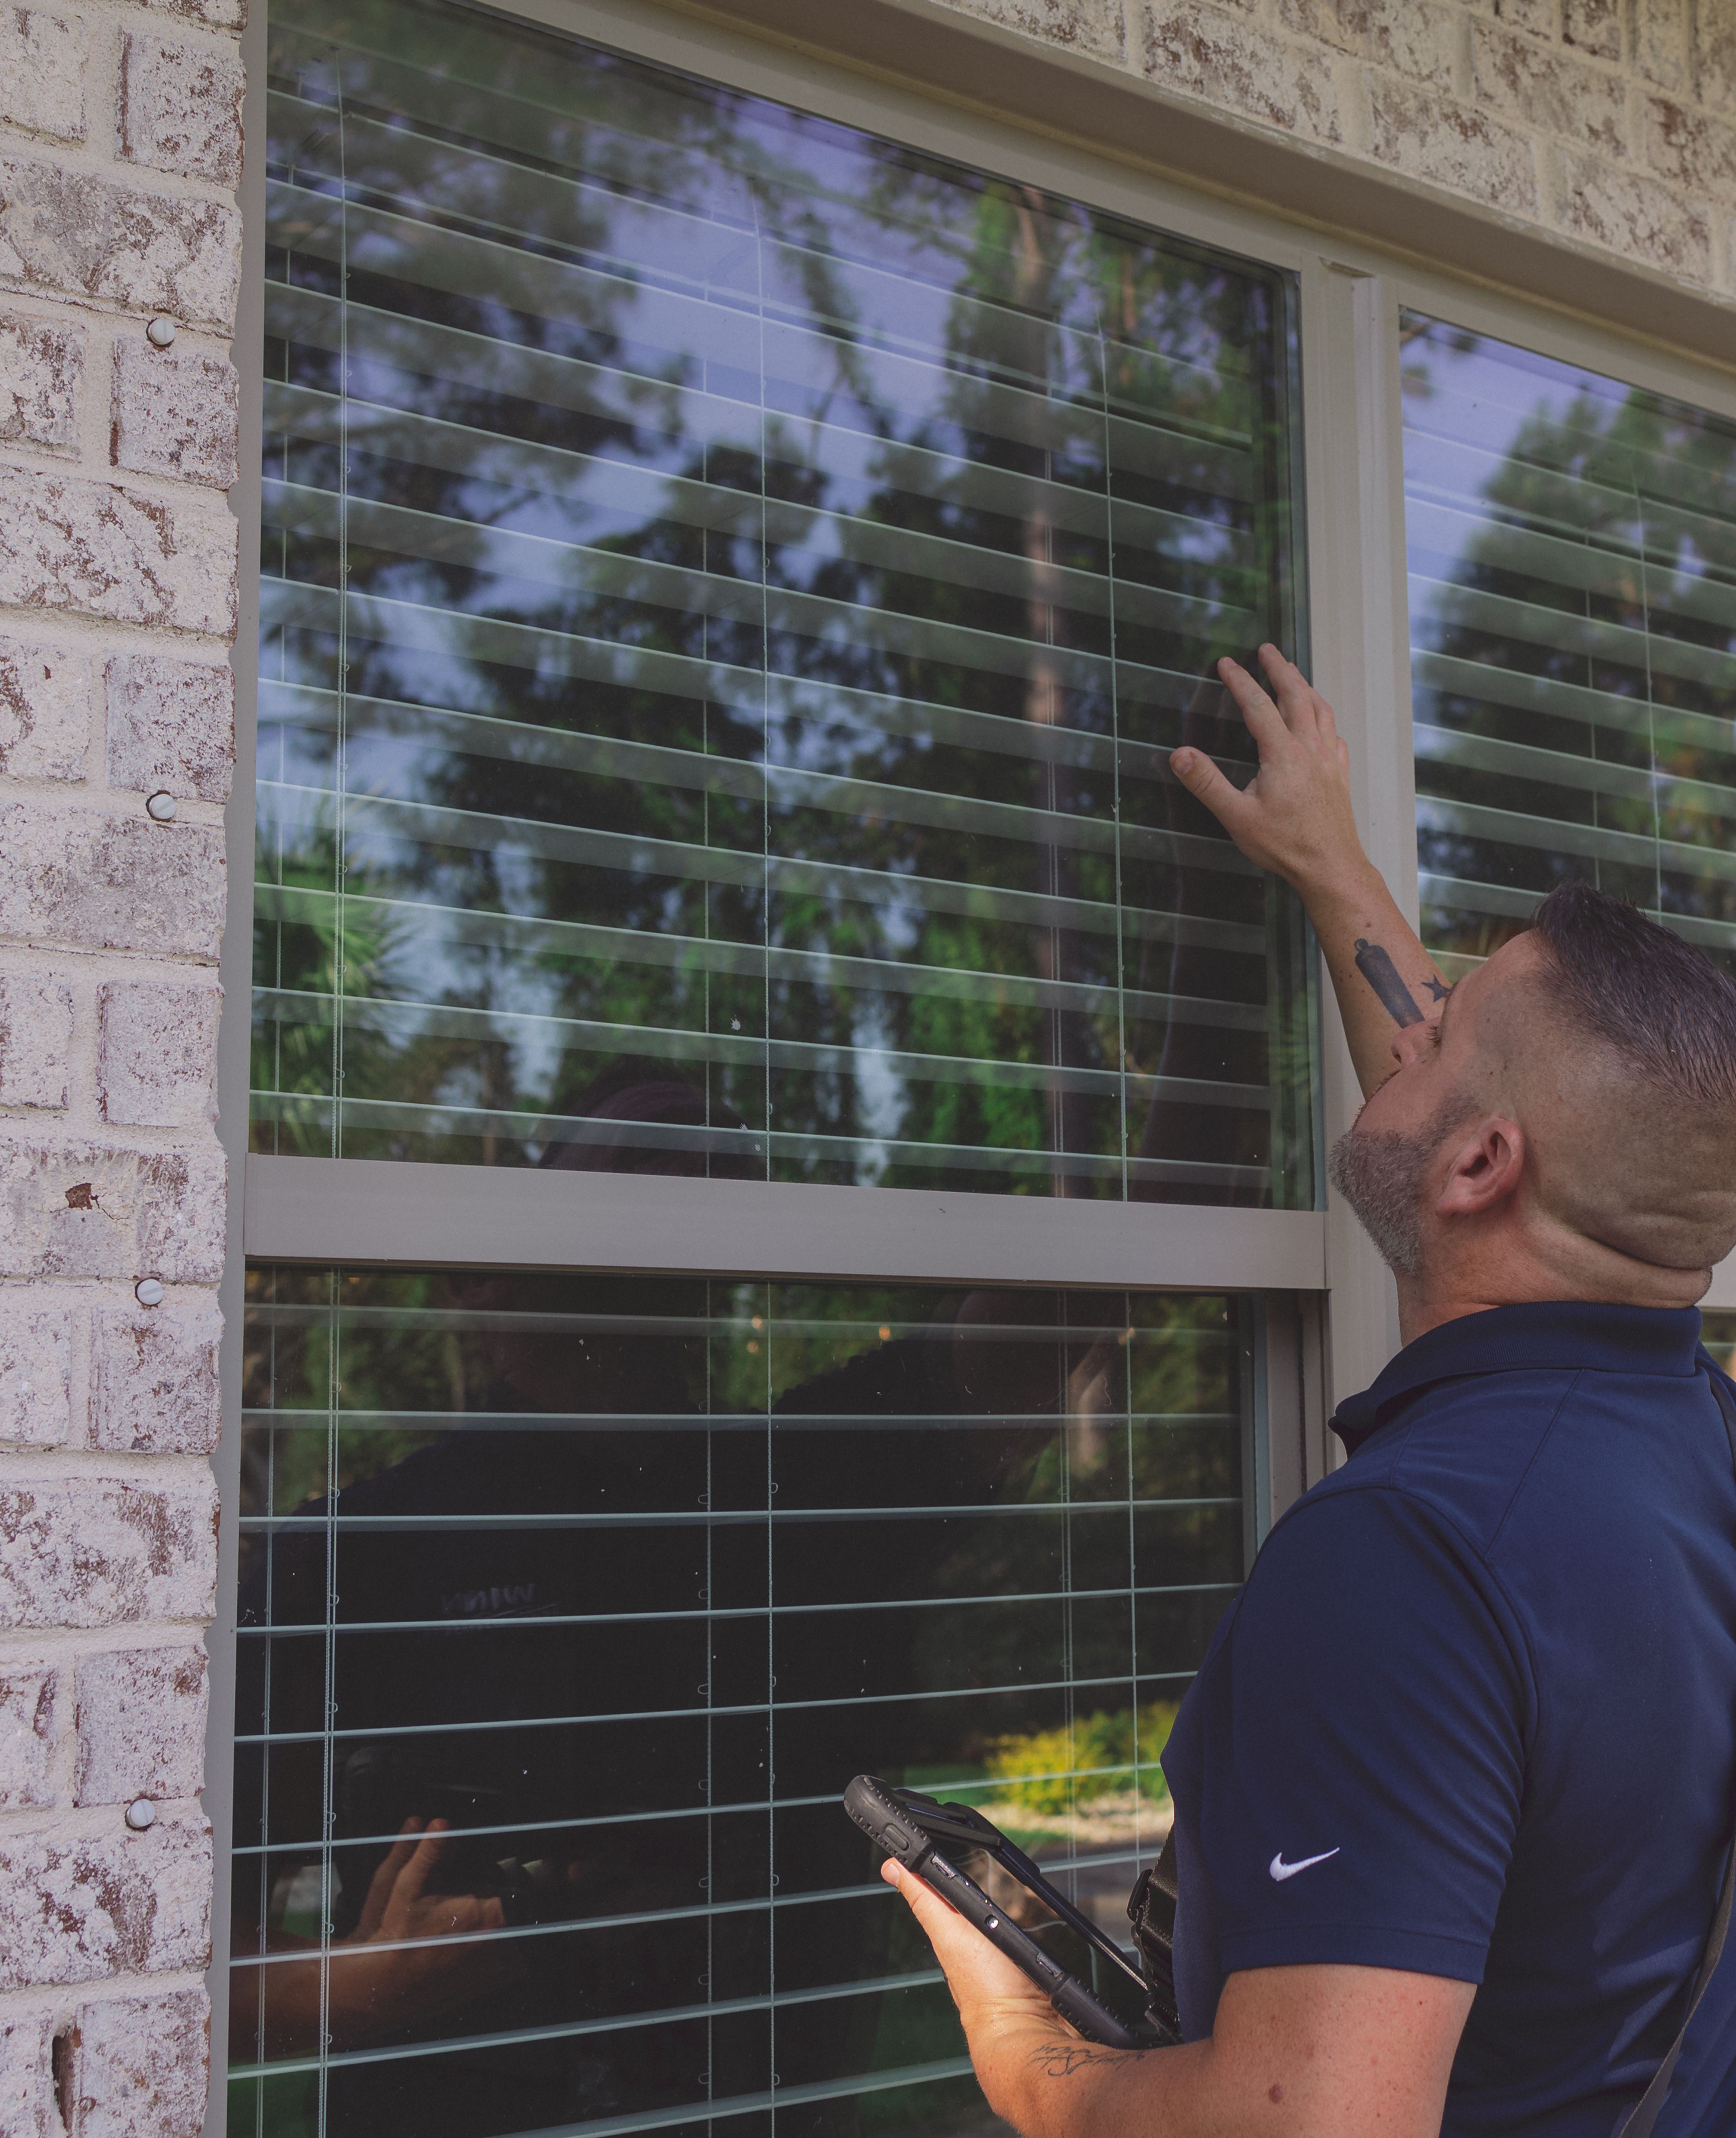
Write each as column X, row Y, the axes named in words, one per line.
column 731, row 584
column 1573, row 557
column 622, row 1577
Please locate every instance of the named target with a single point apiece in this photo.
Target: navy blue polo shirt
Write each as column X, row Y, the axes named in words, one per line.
column 1474, row 1715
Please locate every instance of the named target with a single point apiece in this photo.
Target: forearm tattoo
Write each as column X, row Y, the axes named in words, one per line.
column 1383, row 975
column 1061, row 2059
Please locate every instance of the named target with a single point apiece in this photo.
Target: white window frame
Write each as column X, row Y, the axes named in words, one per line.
column 1330, row 1318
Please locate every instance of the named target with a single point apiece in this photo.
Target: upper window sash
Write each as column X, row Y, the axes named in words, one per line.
column 730, row 587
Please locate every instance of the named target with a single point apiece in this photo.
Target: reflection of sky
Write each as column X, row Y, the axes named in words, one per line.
column 1467, row 402
column 756, row 335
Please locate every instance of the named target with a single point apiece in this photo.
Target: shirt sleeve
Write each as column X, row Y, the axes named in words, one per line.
column 1361, row 1749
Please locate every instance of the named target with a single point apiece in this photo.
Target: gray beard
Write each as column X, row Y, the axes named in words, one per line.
column 1381, row 1177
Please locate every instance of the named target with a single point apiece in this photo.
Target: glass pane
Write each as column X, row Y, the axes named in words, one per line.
column 623, row 1578
column 1718, row 1336
column 731, row 585
column 1573, row 557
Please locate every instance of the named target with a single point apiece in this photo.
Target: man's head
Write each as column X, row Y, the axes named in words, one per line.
column 1571, row 1121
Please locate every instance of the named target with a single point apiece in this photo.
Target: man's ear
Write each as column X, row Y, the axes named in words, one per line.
column 1488, row 1162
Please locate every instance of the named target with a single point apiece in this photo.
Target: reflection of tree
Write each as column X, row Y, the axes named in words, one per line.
column 1605, row 561
column 1100, row 374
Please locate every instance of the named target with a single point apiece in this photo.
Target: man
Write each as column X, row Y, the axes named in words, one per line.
column 1454, row 1785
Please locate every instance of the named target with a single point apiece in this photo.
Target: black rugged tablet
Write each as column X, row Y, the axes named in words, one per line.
column 933, row 1840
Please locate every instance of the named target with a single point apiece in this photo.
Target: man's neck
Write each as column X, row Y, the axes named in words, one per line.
column 1544, row 1263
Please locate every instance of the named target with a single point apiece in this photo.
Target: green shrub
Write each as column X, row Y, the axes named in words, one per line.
column 1093, row 1759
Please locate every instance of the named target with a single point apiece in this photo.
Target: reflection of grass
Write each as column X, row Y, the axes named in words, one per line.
column 1056, row 1771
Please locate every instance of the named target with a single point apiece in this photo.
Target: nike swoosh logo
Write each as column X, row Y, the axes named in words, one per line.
column 1281, row 1870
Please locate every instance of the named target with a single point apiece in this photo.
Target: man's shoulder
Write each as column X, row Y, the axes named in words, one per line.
column 1461, row 1450
column 1501, row 1456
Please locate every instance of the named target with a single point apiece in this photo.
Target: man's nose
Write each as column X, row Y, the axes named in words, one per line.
column 1407, row 1046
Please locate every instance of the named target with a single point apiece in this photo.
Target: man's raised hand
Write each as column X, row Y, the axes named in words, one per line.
column 1294, row 817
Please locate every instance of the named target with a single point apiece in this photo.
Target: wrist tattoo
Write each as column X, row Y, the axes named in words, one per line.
column 1383, row 975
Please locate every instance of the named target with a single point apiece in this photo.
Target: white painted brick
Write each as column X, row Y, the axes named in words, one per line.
column 88, row 1552
column 99, row 550
column 1542, row 18
column 1343, row 24
column 171, row 725
column 111, row 883
column 1714, row 54
column 30, row 1719
column 28, row 2107
column 1693, row 150
column 1613, row 205
column 70, row 233
column 1416, row 39
column 1453, row 145
column 142, row 2066
column 42, row 368
column 1529, row 85
column 45, row 710
column 1593, row 27
column 36, row 1371
column 141, row 1725
column 82, row 1211
column 1096, row 26
column 156, row 1054
column 78, row 1910
column 181, row 108
column 213, row 14
column 154, row 1388
column 175, row 413
column 44, row 60
column 1661, row 42
column 1230, row 62
column 36, row 1040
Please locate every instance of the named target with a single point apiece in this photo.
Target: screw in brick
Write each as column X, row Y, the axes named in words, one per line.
column 160, row 333
column 147, row 1292
column 141, row 1814
column 161, row 808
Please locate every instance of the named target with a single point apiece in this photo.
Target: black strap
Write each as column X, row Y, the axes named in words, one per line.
column 1645, row 2111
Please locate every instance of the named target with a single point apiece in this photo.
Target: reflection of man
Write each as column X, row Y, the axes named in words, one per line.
column 520, row 1576
column 1453, row 1788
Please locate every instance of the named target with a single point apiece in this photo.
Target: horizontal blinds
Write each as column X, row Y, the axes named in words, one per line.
column 730, row 589
column 623, row 1578
column 1573, row 559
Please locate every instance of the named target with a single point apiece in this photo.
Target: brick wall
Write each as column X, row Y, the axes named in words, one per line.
column 120, row 152
column 1611, row 121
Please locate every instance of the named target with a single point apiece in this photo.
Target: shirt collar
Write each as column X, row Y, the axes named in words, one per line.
column 1568, row 1336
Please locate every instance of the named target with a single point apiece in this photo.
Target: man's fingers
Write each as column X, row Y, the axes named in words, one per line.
column 1206, row 784
column 1264, row 722
column 1297, row 699
column 975, row 1968
column 424, row 1861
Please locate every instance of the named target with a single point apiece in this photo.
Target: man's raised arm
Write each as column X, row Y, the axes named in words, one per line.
column 1295, row 818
